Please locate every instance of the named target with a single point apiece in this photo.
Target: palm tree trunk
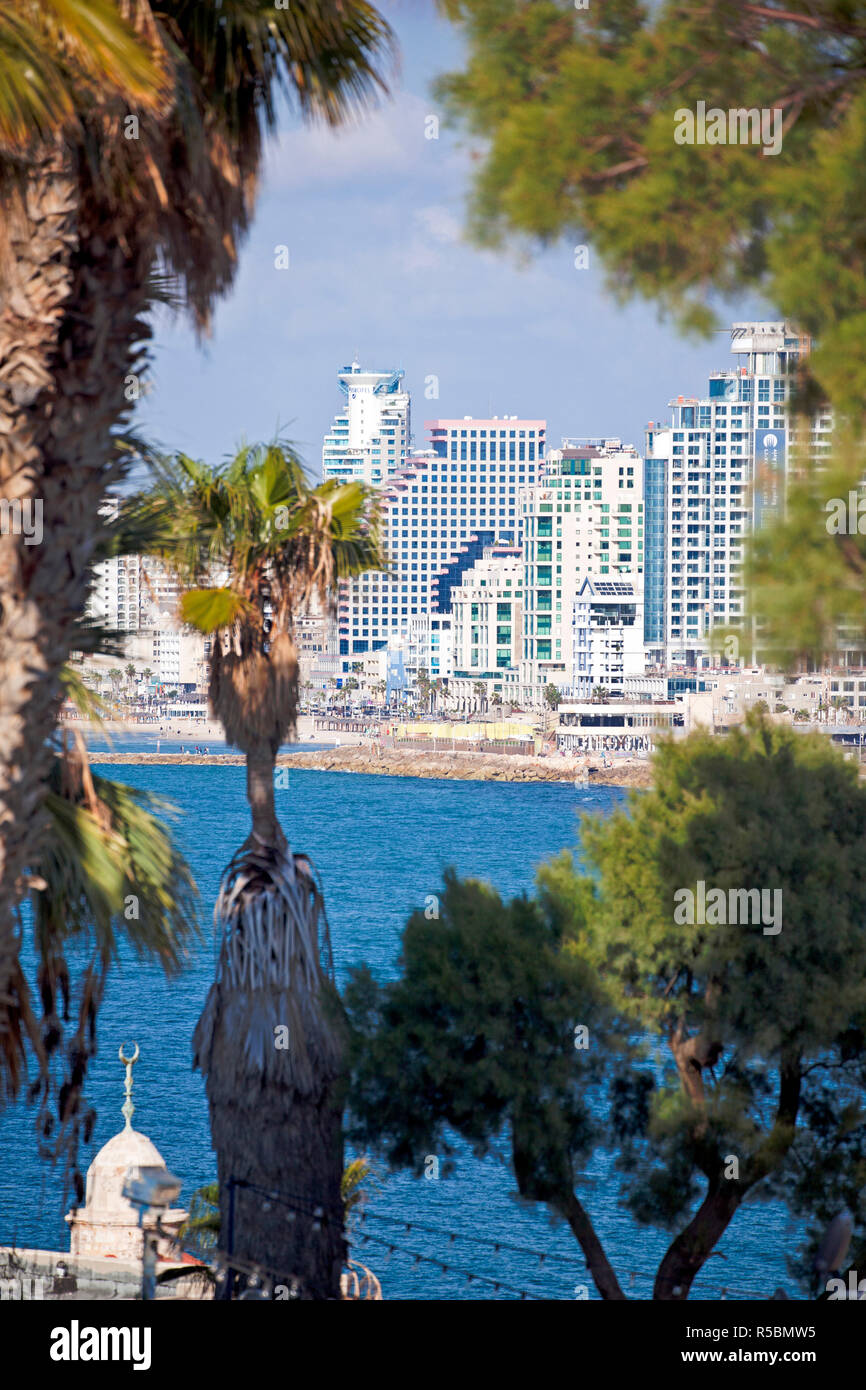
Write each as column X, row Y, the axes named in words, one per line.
column 69, row 335
column 261, row 761
column 290, row 1147
column 270, row 1043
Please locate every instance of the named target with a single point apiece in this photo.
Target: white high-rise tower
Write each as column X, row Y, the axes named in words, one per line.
column 370, row 437
column 718, row 471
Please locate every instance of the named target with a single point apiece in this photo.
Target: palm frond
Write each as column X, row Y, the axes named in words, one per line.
column 212, row 609
column 93, row 638
column 108, row 869
column 200, row 1231
column 57, row 55
column 274, row 970
column 324, row 56
column 89, row 705
column 111, row 869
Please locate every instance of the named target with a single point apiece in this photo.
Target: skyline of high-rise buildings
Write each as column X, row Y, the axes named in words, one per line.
column 606, row 562
column 671, row 519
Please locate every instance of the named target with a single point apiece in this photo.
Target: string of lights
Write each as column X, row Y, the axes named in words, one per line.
column 499, row 1285
column 543, row 1256
column 298, row 1203
column 498, row 1245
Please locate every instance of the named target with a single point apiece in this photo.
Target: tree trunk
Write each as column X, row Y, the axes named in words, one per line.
column 597, row 1263
column 260, row 793
column 69, row 335
column 687, row 1254
column 272, row 1056
column 291, row 1147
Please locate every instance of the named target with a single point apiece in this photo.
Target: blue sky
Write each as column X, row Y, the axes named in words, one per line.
column 372, row 218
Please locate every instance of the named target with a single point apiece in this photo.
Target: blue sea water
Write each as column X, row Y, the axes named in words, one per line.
column 381, row 845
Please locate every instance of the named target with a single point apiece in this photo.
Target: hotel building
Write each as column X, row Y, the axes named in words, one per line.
column 440, row 511
column 370, row 437
column 487, row 626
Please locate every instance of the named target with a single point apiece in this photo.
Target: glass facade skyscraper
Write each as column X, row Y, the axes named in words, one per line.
column 655, row 532
column 724, row 459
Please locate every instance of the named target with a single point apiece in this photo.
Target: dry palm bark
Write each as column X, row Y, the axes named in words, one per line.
column 269, row 1043
column 70, row 332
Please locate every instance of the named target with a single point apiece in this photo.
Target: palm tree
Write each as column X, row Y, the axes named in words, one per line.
column 200, row 1232
column 128, row 168
column 438, row 691
column 108, row 869
column 270, row 1037
column 423, row 686
column 480, row 691
column 840, row 705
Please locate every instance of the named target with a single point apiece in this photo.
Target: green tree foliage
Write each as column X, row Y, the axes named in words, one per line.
column 478, row 1035
column 806, row 574
column 575, row 113
column 759, row 1071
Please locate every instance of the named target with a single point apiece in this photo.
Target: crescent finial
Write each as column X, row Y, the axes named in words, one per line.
column 127, row 1110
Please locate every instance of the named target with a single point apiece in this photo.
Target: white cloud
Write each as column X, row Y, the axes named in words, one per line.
column 433, row 228
column 388, row 141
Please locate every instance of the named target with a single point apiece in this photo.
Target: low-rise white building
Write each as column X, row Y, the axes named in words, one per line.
column 176, row 656
column 607, row 636
column 620, row 727
column 487, row 629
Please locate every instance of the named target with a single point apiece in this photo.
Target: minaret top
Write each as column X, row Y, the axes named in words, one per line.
column 127, row 1110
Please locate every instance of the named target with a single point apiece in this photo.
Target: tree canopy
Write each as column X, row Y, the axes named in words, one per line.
column 750, row 1075
column 574, row 110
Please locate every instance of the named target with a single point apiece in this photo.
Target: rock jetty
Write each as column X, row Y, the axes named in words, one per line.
column 395, row 762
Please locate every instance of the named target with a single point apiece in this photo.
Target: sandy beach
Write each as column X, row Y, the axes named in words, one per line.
column 207, row 731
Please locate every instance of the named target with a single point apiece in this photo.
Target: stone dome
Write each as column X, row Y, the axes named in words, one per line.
column 108, row 1224
column 107, row 1173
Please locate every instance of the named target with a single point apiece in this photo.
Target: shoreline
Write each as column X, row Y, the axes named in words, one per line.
column 479, row 767
column 208, row 731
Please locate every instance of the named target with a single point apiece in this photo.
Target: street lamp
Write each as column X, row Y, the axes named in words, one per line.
column 150, row 1188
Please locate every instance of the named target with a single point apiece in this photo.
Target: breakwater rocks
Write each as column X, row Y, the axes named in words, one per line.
column 394, row 762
